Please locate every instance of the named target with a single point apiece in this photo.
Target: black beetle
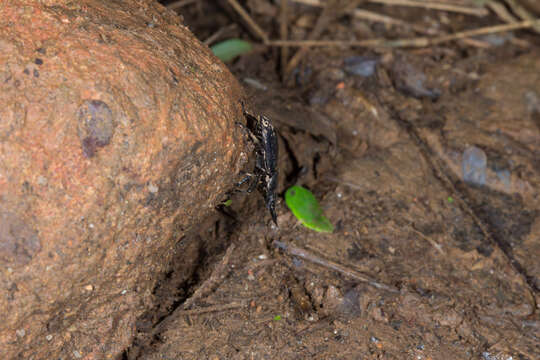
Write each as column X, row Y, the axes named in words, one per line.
column 264, row 177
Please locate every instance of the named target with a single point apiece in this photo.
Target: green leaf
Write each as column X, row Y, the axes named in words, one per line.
column 231, row 48
column 306, row 209
column 277, row 317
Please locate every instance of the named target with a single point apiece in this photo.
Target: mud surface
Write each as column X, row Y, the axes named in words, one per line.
column 426, row 161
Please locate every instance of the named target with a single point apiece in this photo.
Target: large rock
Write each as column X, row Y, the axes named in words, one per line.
column 117, row 134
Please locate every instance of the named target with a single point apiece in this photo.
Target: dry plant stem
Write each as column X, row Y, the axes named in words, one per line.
column 322, row 21
column 414, row 42
column 253, row 26
column 212, row 38
column 333, row 9
column 522, row 12
column 211, row 283
column 375, row 17
column 303, row 254
column 414, row 3
column 363, row 14
column 179, row 4
column 215, row 308
column 433, row 243
column 500, row 10
column 284, row 35
column 434, row 6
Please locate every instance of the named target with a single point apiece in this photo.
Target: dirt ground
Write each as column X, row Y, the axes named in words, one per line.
column 427, row 163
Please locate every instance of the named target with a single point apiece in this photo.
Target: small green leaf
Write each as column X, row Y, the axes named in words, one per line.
column 306, row 209
column 277, row 317
column 450, row 199
column 227, row 202
column 231, row 48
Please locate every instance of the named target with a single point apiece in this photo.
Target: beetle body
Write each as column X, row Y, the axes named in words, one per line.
column 265, row 174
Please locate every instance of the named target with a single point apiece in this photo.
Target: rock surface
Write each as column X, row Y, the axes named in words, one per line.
column 117, row 135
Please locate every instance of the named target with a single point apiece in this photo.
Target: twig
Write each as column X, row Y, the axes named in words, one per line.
column 210, row 284
column 434, row 6
column 433, row 243
column 215, row 308
column 422, row 4
column 284, row 35
column 253, row 26
column 522, row 12
column 332, row 9
column 376, row 17
column 212, row 38
column 413, row 42
column 322, row 20
column 364, row 14
column 178, row 4
column 501, row 11
column 301, row 253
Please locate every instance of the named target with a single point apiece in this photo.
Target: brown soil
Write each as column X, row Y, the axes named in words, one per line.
column 429, row 169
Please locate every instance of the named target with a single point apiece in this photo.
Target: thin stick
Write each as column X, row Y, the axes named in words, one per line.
column 433, row 243
column 319, row 27
column 361, row 14
column 284, row 35
column 521, row 12
column 215, row 308
column 301, row 253
column 434, row 6
column 413, row 42
column 254, row 27
column 218, row 274
column 331, row 10
column 413, row 3
column 500, row 10
column 218, row 34
column 376, row 17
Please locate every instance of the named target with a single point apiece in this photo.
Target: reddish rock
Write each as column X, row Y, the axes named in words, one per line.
column 117, row 135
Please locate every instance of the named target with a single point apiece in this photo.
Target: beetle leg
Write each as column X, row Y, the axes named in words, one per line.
column 272, row 209
column 253, row 181
column 257, row 181
column 254, row 139
column 246, row 178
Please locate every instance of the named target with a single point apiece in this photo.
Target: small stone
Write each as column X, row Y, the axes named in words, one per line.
column 48, row 337
column 42, row 180
column 20, row 333
column 77, row 354
column 474, row 165
column 88, row 288
column 152, row 188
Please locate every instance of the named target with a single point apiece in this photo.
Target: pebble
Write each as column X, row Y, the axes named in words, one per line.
column 474, row 163
column 360, row 65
